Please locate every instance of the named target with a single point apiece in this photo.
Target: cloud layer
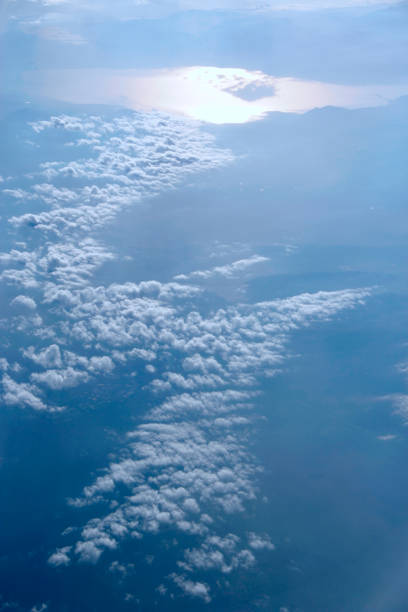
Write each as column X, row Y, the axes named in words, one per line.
column 186, row 466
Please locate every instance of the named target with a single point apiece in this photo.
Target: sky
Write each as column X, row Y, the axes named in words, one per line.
column 203, row 360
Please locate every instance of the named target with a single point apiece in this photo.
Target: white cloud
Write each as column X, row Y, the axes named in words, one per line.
column 89, row 552
column 50, row 357
column 187, row 463
column 4, row 364
column 179, row 467
column 227, row 271
column 194, row 589
column 101, row 364
column 131, row 156
column 400, row 402
column 60, row 557
column 60, row 379
column 218, row 553
column 24, row 300
column 19, row 194
column 40, row 608
column 260, row 542
column 23, row 395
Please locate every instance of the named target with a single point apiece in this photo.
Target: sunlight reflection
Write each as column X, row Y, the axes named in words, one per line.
column 207, row 93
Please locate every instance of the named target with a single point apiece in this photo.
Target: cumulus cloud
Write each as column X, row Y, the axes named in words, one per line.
column 40, row 608
column 60, row 379
column 24, row 300
column 89, row 552
column 400, row 402
column 227, row 271
column 68, row 263
column 129, row 157
column 187, row 462
column 19, row 194
column 4, row 364
column 194, row 589
column 22, row 394
column 260, row 542
column 101, row 364
column 60, row 557
column 179, row 467
column 61, row 369
column 49, row 357
column 218, row 553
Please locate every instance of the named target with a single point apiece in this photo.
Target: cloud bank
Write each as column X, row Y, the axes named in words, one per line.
column 186, row 466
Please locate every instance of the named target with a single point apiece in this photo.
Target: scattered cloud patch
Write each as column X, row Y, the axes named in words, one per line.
column 24, row 300
column 187, row 463
column 60, row 557
column 260, row 542
column 228, row 271
column 60, row 379
column 194, row 589
column 23, row 395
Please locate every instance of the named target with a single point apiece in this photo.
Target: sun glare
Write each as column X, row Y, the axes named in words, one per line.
column 209, row 94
